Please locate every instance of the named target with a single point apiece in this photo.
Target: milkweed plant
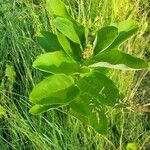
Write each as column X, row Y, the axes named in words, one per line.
column 77, row 77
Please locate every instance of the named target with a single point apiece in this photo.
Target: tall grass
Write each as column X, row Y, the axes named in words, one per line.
column 20, row 21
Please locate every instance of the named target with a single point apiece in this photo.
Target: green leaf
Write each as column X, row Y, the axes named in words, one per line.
column 98, row 121
column 104, row 38
column 57, row 8
column 81, row 105
column 49, row 41
column 99, row 87
column 66, row 27
column 102, row 70
column 117, row 60
column 72, row 49
column 127, row 25
column 84, row 109
column 77, row 51
column 82, row 33
column 65, row 44
column 56, row 89
column 126, row 30
column 38, row 109
column 79, row 116
column 56, row 62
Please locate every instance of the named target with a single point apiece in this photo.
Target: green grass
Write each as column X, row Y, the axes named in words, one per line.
column 20, row 21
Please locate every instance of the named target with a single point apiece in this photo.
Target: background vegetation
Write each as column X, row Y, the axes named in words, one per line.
column 20, row 22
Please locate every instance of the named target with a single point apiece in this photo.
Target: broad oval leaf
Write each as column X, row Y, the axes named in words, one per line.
column 126, row 30
column 118, row 60
column 49, row 41
column 99, row 87
column 66, row 27
column 56, row 62
column 56, row 89
column 57, row 8
column 38, row 109
column 104, row 38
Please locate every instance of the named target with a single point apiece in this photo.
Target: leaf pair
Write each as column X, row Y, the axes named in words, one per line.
column 92, row 88
column 107, row 53
column 111, row 37
column 65, row 23
column 66, row 39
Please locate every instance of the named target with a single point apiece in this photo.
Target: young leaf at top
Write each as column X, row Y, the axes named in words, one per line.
column 57, row 8
column 126, row 29
column 99, row 87
column 56, row 63
column 104, row 38
column 49, row 41
column 117, row 60
column 66, row 27
column 55, row 89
